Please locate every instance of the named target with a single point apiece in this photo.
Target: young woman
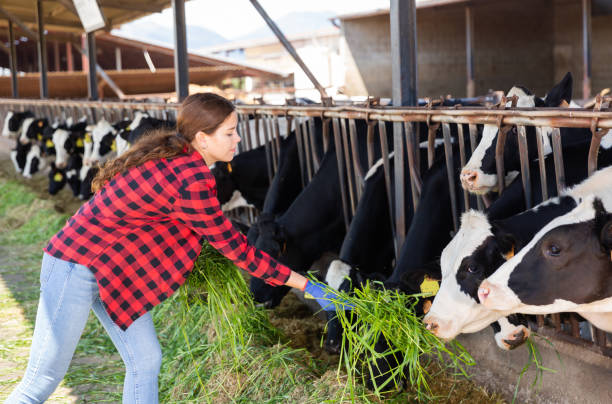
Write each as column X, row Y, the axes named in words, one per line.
column 134, row 243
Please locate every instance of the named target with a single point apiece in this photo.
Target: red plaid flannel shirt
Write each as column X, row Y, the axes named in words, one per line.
column 142, row 232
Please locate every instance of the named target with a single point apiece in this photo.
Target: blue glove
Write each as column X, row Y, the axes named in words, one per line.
column 326, row 296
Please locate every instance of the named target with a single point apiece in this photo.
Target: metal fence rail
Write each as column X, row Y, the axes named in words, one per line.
column 264, row 125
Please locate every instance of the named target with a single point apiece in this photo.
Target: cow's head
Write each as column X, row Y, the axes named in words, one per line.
column 34, row 161
column 566, row 264
column 479, row 175
column 511, row 332
column 103, row 142
column 13, row 122
column 57, row 179
column 272, row 236
column 466, row 261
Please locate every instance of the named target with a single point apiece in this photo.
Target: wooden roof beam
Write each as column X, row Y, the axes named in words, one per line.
column 132, row 6
column 19, row 23
column 67, row 4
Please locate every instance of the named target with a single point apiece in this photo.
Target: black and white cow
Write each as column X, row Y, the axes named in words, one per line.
column 478, row 249
column 313, row 223
column 479, row 175
column 286, row 184
column 567, row 266
column 244, row 181
column 35, row 161
column 13, row 122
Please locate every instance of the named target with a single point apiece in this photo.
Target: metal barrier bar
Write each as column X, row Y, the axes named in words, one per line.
column 450, row 171
column 400, row 183
column 313, row 145
column 359, row 175
column 349, row 173
column 338, row 147
column 525, row 174
column 416, row 182
column 542, row 163
column 300, row 147
column 462, row 157
column 384, row 149
column 558, row 157
column 370, row 140
column 499, row 159
column 307, row 153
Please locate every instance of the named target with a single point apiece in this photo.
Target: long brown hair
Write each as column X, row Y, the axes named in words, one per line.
column 198, row 112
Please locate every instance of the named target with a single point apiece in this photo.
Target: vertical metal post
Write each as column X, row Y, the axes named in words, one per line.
column 56, row 56
column 92, row 78
column 403, row 52
column 42, row 51
column 469, row 54
column 13, row 61
column 181, row 68
column 69, row 59
column 586, row 48
column 118, row 58
column 404, row 91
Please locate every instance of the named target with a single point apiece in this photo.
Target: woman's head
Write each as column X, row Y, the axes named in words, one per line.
column 208, row 121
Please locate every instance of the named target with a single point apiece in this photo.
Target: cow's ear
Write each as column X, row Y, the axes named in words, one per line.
column 506, row 242
column 561, row 93
column 603, row 224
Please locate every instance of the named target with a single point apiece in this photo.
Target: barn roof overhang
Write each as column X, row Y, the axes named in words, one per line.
column 60, row 15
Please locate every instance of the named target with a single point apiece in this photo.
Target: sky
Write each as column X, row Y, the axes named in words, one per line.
column 235, row 18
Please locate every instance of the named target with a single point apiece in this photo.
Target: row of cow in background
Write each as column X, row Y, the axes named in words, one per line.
column 71, row 152
column 304, row 218
column 298, row 225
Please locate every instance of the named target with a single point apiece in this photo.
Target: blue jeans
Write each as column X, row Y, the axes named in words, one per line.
column 67, row 292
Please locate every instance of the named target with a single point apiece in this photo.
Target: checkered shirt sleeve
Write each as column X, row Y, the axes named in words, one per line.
column 197, row 207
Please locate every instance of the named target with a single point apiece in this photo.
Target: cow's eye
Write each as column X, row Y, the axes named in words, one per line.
column 553, row 250
column 471, row 269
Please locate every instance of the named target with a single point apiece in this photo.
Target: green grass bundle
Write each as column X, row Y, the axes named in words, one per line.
column 407, row 349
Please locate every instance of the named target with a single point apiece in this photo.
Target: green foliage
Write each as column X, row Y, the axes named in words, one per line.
column 409, row 349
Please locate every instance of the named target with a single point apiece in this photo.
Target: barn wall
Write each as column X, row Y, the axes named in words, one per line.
column 528, row 42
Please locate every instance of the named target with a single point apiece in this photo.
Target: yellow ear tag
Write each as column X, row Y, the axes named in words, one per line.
column 49, row 143
column 430, row 286
column 58, row 177
column 114, row 145
column 40, row 124
column 79, row 142
column 229, row 167
column 39, row 136
column 87, row 137
column 510, row 254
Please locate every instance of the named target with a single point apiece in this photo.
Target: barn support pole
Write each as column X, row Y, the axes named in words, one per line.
column 42, row 51
column 325, row 99
column 181, row 68
column 118, row 58
column 469, row 51
column 69, row 59
column 404, row 92
column 56, row 56
column 586, row 49
column 92, row 78
column 13, row 60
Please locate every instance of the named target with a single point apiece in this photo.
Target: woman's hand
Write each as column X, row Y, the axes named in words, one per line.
column 326, row 296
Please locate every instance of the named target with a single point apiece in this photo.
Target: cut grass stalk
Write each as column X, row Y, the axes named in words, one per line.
column 385, row 343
